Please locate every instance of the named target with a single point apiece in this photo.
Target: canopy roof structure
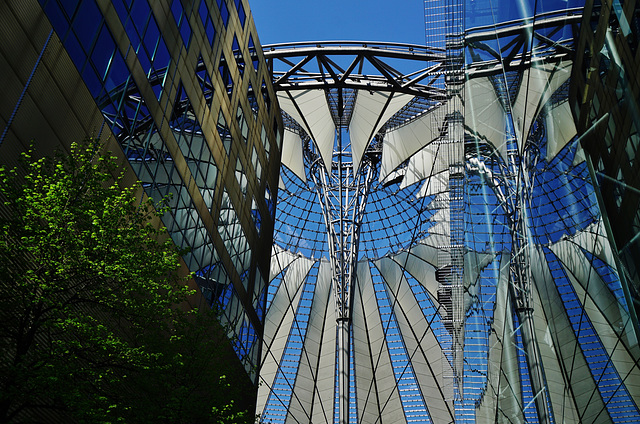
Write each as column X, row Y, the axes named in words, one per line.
column 439, row 254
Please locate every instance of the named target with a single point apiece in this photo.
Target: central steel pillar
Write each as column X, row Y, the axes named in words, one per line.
column 342, row 192
column 521, row 290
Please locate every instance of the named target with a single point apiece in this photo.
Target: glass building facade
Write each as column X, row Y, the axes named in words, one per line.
column 605, row 103
column 183, row 89
column 453, row 229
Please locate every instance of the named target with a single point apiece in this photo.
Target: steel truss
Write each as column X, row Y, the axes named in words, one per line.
column 516, row 45
column 341, row 188
column 343, row 196
column 495, row 51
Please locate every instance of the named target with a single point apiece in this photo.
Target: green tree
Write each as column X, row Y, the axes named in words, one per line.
column 89, row 289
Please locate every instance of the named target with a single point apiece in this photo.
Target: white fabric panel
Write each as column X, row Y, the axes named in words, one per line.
column 428, row 252
column 486, row 118
column 327, row 361
column 438, row 183
column 401, row 143
column 373, row 369
column 441, row 215
column 422, row 346
column 280, row 259
column 369, row 115
column 488, row 407
column 437, row 241
column 577, row 264
column 439, row 201
column 594, row 239
column 421, row 262
column 281, row 183
column 506, row 372
column 442, row 223
column 285, row 300
column 622, row 359
column 560, row 129
column 425, row 163
column 310, row 376
column 396, row 175
column 474, row 263
column 537, row 86
column 288, row 106
column 585, row 395
column 579, row 157
column 278, row 322
column 559, row 393
column 292, row 153
column 609, row 318
column 317, row 118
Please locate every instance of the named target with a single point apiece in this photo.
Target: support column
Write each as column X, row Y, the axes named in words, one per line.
column 342, row 193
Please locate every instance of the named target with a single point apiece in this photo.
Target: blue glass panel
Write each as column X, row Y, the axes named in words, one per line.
column 241, row 14
column 253, row 54
column 69, row 7
column 132, row 33
column 145, row 62
column 203, row 10
column 122, row 8
column 253, row 101
column 157, row 90
column 205, row 82
column 86, row 23
column 224, row 12
column 177, row 11
column 57, row 17
column 181, row 21
column 223, row 69
column 110, row 114
column 257, row 220
column 238, row 55
column 162, row 58
column 211, row 32
column 151, row 36
column 140, row 13
column 103, row 51
column 92, row 81
column 185, row 32
column 77, row 54
column 265, row 95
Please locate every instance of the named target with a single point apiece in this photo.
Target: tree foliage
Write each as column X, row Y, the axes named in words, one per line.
column 89, row 289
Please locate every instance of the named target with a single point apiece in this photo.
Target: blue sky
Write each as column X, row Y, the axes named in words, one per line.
column 373, row 20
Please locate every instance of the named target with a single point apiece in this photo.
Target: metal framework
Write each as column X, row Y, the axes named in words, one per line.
column 340, row 69
column 343, row 186
column 516, row 45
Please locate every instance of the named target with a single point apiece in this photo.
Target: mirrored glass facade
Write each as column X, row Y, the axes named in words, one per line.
column 394, row 233
column 174, row 82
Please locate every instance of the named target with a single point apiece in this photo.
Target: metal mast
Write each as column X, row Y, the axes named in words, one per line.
column 520, row 289
column 342, row 192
